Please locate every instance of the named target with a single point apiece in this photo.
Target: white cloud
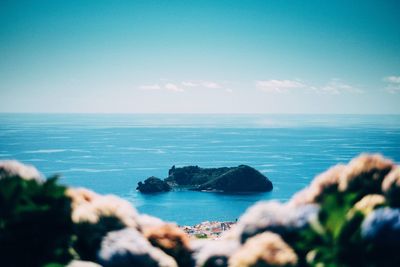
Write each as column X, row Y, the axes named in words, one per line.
column 334, row 86
column 150, row 87
column 189, row 84
column 392, row 79
column 211, row 85
column 392, row 84
column 173, row 87
column 183, row 86
column 278, row 86
column 205, row 84
column 167, row 87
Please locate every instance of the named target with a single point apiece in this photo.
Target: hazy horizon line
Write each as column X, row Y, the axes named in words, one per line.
column 192, row 113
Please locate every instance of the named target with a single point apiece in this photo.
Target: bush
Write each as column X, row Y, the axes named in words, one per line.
column 35, row 222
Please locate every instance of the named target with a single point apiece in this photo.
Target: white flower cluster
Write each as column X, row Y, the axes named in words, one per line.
column 266, row 249
column 365, row 171
column 318, row 186
column 275, row 217
column 214, row 252
column 128, row 247
column 10, row 168
column 90, row 207
column 365, row 168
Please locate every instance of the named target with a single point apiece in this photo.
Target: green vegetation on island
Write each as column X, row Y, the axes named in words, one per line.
column 226, row 179
column 153, row 185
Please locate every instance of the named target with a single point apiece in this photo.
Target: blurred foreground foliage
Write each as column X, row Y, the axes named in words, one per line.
column 35, row 222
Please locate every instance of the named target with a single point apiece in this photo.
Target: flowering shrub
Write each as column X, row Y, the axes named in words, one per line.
column 347, row 216
column 253, row 252
column 35, row 219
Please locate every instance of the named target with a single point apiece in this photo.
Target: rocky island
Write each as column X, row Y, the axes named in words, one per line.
column 238, row 179
column 153, row 185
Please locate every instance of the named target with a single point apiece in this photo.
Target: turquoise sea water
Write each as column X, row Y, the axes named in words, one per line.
column 111, row 153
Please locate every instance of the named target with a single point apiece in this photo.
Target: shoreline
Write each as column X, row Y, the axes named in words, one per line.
column 207, row 229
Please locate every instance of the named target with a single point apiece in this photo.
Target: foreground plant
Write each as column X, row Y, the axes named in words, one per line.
column 35, row 218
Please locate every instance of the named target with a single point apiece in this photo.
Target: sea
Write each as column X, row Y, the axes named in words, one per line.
column 111, row 153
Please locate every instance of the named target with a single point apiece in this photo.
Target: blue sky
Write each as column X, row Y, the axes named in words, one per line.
column 200, row 56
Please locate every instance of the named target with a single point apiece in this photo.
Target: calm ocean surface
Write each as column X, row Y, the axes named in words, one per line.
column 111, row 153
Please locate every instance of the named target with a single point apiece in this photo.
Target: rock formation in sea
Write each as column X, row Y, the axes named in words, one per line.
column 226, row 179
column 240, row 179
column 347, row 216
column 153, row 185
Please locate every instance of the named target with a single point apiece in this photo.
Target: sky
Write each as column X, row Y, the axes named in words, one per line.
column 96, row 56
